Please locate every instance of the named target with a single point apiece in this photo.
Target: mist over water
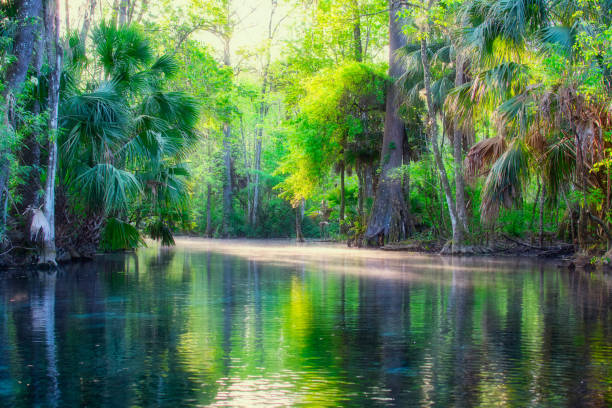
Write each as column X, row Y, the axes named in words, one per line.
column 269, row 323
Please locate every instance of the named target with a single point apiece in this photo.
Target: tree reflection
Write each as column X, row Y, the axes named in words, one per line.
column 158, row 328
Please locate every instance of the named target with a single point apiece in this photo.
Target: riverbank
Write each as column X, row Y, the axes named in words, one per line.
column 509, row 247
column 512, row 248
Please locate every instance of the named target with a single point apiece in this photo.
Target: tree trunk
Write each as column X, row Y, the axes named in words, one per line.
column 342, row 197
column 357, row 46
column 582, row 132
column 28, row 21
column 123, row 12
column 208, row 232
column 362, row 185
column 257, row 164
column 263, row 110
column 28, row 24
column 114, row 12
column 54, row 52
column 458, row 157
column 388, row 212
column 87, row 21
column 432, row 130
column 67, row 16
column 132, row 8
column 143, row 8
column 247, row 166
column 227, row 181
column 227, row 155
column 542, row 216
column 30, row 151
column 410, row 228
column 535, row 205
column 299, row 237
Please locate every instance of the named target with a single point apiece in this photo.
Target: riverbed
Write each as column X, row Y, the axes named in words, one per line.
column 273, row 323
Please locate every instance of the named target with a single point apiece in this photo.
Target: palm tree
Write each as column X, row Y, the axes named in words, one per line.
column 125, row 140
column 547, row 121
column 433, row 69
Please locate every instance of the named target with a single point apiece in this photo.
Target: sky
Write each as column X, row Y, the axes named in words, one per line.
column 251, row 33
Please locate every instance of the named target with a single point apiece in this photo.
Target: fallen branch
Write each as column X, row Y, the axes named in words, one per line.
column 516, row 241
column 545, row 251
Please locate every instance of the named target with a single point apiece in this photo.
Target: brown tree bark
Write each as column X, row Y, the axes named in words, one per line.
column 299, row 236
column 388, row 217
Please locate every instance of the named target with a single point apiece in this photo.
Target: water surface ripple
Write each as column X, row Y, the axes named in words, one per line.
column 246, row 324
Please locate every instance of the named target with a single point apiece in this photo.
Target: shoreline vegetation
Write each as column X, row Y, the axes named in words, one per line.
column 470, row 127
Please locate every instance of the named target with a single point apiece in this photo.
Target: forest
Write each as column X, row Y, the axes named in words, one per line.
column 449, row 125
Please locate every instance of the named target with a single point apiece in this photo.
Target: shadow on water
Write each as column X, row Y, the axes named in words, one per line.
column 245, row 324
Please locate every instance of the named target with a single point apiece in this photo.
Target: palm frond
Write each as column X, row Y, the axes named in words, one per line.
column 505, row 181
column 120, row 235
column 558, row 165
column 106, row 186
column 160, row 231
column 483, row 154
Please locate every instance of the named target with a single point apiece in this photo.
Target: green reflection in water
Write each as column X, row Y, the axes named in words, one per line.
column 199, row 327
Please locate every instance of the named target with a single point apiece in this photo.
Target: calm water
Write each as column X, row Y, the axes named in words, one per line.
column 254, row 324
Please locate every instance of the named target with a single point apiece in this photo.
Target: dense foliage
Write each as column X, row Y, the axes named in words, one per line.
column 459, row 122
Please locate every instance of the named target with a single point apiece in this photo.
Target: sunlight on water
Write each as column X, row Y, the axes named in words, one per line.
column 271, row 323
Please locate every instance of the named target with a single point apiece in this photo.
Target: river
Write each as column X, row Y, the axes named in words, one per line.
column 270, row 323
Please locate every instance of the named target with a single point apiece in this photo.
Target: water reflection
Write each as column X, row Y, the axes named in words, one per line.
column 283, row 326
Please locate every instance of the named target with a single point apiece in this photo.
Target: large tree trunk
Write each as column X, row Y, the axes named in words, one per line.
column 54, row 51
column 432, row 130
column 389, row 211
column 30, row 151
column 28, row 24
column 28, row 19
